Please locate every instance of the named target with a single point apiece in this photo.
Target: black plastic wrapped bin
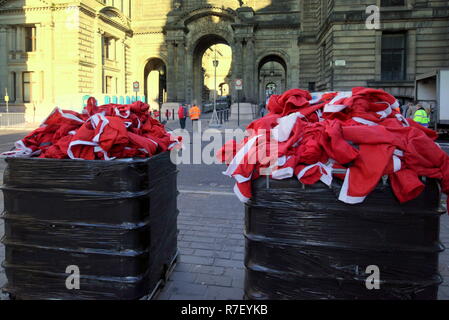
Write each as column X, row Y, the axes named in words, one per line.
column 302, row 243
column 115, row 220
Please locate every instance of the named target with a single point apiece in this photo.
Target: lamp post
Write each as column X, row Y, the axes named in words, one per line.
column 214, row 122
column 215, row 80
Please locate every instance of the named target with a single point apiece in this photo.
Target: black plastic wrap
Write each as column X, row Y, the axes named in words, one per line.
column 302, row 243
column 115, row 220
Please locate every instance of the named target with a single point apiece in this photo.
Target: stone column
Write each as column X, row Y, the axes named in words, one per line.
column 249, row 74
column 4, row 77
column 98, row 53
column 122, row 65
column 20, row 39
column 181, row 71
column 49, row 80
column 237, row 71
column 171, row 72
column 189, row 78
column 411, row 55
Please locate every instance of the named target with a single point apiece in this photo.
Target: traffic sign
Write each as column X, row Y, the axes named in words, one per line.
column 136, row 86
column 238, row 84
column 6, row 98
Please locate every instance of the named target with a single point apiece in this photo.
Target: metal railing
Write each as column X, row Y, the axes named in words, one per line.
column 12, row 119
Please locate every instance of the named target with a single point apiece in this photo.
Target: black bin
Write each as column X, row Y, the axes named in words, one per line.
column 115, row 220
column 302, row 243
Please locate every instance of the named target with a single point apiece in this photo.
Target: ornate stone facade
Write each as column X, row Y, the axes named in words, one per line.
column 100, row 47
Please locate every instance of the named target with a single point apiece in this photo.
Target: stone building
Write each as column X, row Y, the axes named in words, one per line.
column 59, row 52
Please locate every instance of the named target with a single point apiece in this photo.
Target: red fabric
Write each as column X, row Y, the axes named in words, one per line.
column 98, row 133
column 359, row 131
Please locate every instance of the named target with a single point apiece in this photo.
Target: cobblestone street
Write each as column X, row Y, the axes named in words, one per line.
column 211, row 241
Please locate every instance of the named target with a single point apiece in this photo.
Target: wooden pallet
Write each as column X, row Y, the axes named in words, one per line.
column 163, row 281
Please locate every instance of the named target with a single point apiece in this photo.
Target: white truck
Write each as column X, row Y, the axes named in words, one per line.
column 432, row 91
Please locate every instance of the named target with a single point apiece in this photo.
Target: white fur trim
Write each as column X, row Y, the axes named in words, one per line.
column 341, row 95
column 403, row 120
column 96, row 119
column 398, row 153
column 326, row 172
column 397, row 164
column 118, row 114
column 285, row 126
column 395, row 104
column 240, row 179
column 329, row 108
column 239, row 195
column 385, row 113
column 364, row 121
column 284, row 173
column 240, row 155
column 344, row 197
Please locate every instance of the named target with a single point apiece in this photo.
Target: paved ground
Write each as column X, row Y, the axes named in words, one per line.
column 211, row 235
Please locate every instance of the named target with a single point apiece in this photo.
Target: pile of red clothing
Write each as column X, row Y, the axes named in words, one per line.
column 98, row 133
column 355, row 136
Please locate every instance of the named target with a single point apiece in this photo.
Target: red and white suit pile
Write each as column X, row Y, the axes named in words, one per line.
column 358, row 131
column 98, row 133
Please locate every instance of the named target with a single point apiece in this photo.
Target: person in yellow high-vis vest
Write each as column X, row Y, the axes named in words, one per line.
column 421, row 116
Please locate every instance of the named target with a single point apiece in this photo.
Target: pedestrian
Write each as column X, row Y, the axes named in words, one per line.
column 262, row 110
column 195, row 114
column 406, row 109
column 167, row 114
column 182, row 115
column 421, row 116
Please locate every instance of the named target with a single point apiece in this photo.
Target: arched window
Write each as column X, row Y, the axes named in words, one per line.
column 270, row 89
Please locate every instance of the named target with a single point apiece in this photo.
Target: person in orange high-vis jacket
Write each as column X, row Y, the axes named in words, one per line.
column 195, row 113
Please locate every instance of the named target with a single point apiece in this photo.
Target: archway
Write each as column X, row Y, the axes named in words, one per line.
column 272, row 75
column 155, row 82
column 208, row 80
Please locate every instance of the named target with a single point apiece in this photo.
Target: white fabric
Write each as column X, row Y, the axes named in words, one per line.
column 285, row 126
column 239, row 195
column 328, row 108
column 240, row 179
column 397, row 164
column 385, row 113
column 340, row 95
column 96, row 120
column 326, row 171
column 284, row 173
column 127, row 114
column 364, row 121
column 344, row 197
column 240, row 155
column 402, row 120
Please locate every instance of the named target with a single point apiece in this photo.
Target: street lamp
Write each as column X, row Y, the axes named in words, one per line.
column 214, row 120
column 215, row 62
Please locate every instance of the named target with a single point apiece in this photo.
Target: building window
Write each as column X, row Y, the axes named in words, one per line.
column 108, row 85
column 392, row 3
column 109, row 48
column 312, row 86
column 13, row 93
column 27, row 81
column 30, row 39
column 393, row 56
